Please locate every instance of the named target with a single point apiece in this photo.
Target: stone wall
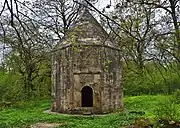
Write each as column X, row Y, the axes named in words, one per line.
column 93, row 66
column 112, row 81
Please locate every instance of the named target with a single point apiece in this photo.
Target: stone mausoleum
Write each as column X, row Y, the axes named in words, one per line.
column 86, row 70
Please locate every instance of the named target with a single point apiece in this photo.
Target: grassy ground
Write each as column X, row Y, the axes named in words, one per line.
column 29, row 113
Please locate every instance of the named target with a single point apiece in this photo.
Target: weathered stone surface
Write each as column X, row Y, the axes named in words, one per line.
column 89, row 59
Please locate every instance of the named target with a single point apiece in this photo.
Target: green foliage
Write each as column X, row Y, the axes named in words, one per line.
column 145, row 104
column 176, row 96
column 42, row 82
column 167, row 110
column 11, row 88
column 32, row 113
column 142, row 123
column 155, row 79
column 26, row 114
column 106, row 64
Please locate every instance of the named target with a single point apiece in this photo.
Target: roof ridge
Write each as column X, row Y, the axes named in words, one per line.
column 86, row 29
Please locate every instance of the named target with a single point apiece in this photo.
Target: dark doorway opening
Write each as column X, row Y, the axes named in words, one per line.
column 87, row 96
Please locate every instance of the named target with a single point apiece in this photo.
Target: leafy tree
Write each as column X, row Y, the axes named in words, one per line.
column 30, row 48
column 169, row 15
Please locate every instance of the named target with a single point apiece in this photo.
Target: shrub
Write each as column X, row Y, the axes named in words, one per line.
column 11, row 88
column 176, row 96
column 167, row 110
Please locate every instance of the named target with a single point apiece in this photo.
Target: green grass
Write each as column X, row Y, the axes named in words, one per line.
column 29, row 113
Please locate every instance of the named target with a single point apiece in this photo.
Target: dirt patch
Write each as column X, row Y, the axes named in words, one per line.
column 63, row 114
column 45, row 125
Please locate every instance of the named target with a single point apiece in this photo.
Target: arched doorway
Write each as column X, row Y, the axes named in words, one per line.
column 87, row 97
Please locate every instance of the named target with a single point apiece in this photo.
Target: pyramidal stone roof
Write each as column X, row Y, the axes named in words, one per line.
column 87, row 31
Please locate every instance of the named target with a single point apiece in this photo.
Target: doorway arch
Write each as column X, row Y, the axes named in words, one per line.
column 87, row 97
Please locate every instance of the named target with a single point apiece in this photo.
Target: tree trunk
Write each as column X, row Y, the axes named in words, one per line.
column 177, row 31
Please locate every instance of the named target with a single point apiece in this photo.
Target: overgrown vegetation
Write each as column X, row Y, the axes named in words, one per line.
column 168, row 109
column 160, row 107
column 152, row 81
column 150, row 49
column 26, row 114
column 149, row 46
column 155, row 79
column 12, row 88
